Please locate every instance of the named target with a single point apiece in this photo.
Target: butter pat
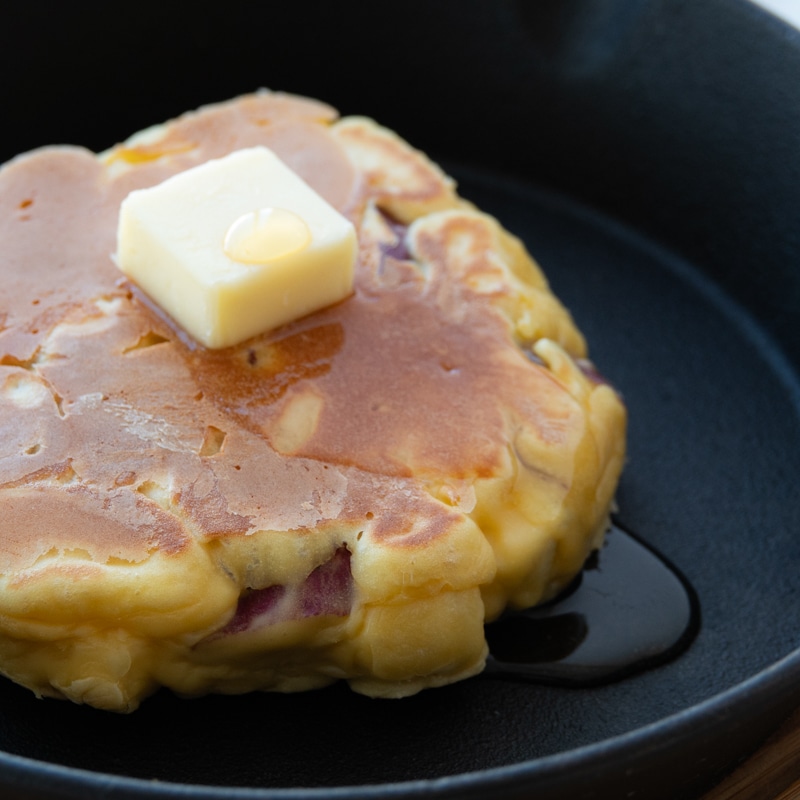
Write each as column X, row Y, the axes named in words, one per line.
column 235, row 247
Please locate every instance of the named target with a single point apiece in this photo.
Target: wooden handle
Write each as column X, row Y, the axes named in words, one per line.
column 772, row 773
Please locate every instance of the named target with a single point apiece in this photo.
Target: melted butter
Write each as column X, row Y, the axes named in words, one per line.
column 359, row 363
column 261, row 236
column 143, row 154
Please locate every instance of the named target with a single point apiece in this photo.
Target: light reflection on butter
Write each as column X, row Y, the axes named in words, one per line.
column 261, row 236
column 235, row 247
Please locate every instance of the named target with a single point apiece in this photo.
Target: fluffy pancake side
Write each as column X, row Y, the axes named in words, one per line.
column 348, row 497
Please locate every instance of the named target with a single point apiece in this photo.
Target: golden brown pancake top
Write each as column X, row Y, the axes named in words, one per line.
column 103, row 403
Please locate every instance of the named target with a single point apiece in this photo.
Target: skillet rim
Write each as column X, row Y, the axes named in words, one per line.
column 764, row 695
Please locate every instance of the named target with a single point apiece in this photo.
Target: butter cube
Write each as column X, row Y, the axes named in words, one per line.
column 235, row 247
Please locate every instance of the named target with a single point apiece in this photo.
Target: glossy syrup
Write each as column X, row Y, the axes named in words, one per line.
column 629, row 610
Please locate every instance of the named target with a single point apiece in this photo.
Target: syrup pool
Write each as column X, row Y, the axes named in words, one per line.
column 628, row 610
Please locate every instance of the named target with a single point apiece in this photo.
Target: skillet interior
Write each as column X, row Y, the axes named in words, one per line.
column 661, row 114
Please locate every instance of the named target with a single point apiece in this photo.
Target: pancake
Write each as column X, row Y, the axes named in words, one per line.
column 348, row 497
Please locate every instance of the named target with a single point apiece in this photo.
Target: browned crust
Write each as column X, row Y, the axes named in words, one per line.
column 411, row 424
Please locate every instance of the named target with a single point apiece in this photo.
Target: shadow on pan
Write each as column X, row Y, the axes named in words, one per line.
column 647, row 153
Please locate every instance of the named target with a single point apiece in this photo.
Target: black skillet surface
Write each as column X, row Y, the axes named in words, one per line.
column 679, row 123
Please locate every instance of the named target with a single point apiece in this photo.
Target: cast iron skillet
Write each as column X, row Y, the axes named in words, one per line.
column 648, row 153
